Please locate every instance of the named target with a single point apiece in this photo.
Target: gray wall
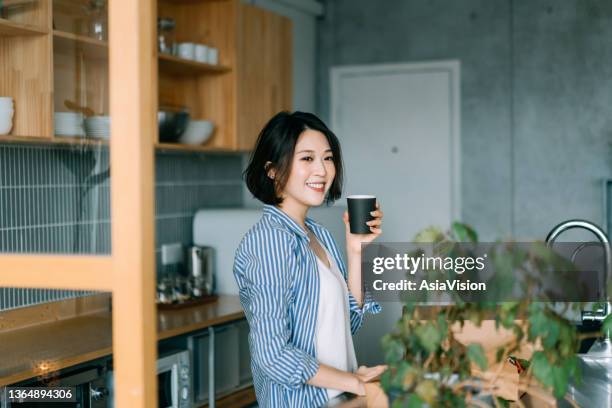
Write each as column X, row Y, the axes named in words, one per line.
column 49, row 203
column 536, row 92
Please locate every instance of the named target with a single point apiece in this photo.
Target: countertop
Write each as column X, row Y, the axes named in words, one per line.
column 33, row 351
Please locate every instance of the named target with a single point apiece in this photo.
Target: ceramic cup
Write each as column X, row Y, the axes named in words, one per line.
column 6, row 121
column 6, row 103
column 201, row 53
column 359, row 208
column 213, row 56
column 186, row 50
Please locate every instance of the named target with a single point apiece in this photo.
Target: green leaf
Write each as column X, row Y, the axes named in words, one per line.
column 538, row 324
column 427, row 391
column 429, row 336
column 476, row 355
column 502, row 402
column 560, row 378
column 464, row 233
column 552, row 334
column 394, row 350
column 509, row 306
column 607, row 324
column 541, row 368
column 428, row 235
column 499, row 354
column 443, row 326
column 414, row 401
column 385, row 380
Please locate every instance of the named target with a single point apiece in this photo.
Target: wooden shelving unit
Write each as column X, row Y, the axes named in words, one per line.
column 49, row 62
column 26, row 68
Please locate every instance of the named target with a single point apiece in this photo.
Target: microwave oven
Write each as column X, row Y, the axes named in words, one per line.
column 173, row 380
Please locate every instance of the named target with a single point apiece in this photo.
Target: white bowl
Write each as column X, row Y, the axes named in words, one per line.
column 197, row 132
column 68, row 118
column 68, row 124
column 98, row 126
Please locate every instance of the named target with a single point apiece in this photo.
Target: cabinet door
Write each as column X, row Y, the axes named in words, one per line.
column 264, row 70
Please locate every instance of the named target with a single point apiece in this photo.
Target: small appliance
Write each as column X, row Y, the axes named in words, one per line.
column 173, row 380
column 201, row 270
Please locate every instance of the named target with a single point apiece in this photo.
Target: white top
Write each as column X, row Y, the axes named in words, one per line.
column 334, row 342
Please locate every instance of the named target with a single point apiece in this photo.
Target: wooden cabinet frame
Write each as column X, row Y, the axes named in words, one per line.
column 130, row 271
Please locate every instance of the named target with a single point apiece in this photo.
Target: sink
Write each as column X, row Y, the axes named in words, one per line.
column 595, row 389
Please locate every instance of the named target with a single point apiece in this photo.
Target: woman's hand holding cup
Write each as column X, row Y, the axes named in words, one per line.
column 362, row 221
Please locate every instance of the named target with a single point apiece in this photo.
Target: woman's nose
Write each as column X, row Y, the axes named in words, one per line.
column 320, row 168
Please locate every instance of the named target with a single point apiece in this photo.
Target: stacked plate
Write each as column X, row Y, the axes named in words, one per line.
column 69, row 124
column 98, row 127
column 198, row 132
column 6, row 114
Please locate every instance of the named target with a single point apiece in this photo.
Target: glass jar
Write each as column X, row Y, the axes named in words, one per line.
column 165, row 35
column 98, row 20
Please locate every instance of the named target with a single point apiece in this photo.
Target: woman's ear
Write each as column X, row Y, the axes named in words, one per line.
column 270, row 171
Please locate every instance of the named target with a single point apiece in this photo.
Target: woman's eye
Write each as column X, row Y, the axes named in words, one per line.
column 307, row 158
column 330, row 158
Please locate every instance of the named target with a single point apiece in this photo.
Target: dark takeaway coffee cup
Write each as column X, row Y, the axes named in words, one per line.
column 359, row 208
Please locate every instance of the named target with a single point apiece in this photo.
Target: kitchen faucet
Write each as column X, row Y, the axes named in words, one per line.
column 602, row 347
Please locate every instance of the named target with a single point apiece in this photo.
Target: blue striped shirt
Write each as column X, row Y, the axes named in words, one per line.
column 277, row 277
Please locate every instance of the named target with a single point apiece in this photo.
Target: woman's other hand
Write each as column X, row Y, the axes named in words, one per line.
column 369, row 374
column 366, row 375
column 353, row 241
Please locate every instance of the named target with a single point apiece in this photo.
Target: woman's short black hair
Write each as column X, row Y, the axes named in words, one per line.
column 276, row 144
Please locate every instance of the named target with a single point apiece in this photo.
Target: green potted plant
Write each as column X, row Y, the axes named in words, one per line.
column 430, row 366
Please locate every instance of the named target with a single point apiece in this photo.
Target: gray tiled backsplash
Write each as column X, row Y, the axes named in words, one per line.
column 56, row 199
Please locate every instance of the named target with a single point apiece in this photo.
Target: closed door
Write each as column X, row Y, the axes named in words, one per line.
column 399, row 130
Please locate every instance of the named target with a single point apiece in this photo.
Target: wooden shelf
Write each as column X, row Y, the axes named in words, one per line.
column 68, row 42
column 63, row 140
column 192, row 148
column 93, row 48
column 11, row 29
column 180, row 66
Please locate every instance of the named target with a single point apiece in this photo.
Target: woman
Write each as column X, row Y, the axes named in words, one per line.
column 301, row 306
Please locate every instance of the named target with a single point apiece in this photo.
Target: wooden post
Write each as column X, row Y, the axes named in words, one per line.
column 133, row 97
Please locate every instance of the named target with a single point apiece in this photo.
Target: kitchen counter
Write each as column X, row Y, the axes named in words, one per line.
column 34, row 351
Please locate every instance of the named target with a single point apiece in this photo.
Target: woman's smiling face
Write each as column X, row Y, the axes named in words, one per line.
column 312, row 171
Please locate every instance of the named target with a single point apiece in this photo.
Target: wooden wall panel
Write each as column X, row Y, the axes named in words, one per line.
column 27, row 78
column 264, row 73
